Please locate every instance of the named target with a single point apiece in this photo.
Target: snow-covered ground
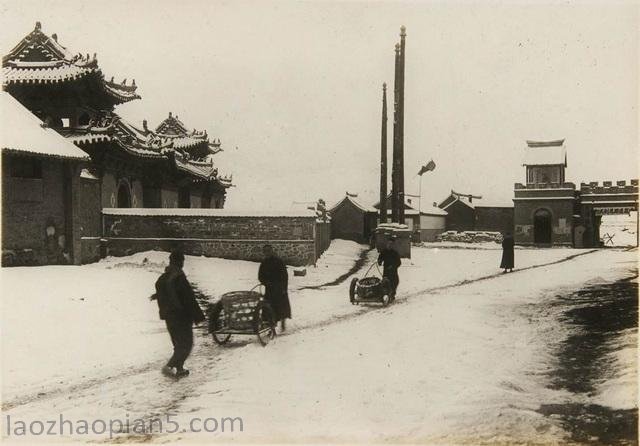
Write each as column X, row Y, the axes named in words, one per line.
column 452, row 360
column 622, row 229
column 58, row 321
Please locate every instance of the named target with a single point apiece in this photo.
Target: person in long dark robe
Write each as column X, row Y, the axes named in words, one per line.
column 179, row 309
column 507, row 253
column 390, row 259
column 273, row 275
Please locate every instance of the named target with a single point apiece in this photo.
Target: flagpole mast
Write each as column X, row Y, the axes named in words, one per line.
column 383, row 158
column 401, row 125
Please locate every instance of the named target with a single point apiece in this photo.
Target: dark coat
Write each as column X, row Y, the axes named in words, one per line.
column 507, row 252
column 176, row 300
column 273, row 275
column 391, row 260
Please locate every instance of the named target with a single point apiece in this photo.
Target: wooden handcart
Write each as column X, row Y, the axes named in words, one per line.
column 242, row 313
column 370, row 289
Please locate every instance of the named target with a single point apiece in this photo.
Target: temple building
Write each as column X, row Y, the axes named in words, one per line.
column 55, row 196
column 138, row 167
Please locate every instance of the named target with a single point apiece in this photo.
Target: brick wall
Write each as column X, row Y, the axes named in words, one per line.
column 28, row 207
column 299, row 240
column 561, row 221
column 494, row 219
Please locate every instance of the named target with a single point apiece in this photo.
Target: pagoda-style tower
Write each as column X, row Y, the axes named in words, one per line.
column 171, row 167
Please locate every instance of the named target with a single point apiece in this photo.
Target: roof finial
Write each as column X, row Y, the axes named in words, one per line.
column 124, row 81
column 144, row 125
column 38, row 26
column 170, row 114
column 134, row 83
column 384, row 86
column 111, row 79
column 403, row 31
column 54, row 36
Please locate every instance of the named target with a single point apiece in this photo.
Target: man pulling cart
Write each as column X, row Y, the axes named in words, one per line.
column 390, row 259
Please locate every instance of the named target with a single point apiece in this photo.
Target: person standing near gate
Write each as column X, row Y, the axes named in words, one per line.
column 507, row 252
column 179, row 309
column 273, row 275
column 391, row 260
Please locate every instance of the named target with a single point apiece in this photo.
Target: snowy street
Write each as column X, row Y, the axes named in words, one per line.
column 465, row 354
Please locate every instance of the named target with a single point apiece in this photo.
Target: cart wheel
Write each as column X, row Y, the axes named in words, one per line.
column 264, row 321
column 216, row 322
column 386, row 290
column 352, row 290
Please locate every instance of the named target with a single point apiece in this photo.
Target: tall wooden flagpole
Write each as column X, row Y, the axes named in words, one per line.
column 395, row 205
column 383, row 158
column 401, row 126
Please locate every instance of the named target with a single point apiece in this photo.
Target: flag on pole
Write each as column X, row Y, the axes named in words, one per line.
column 427, row 167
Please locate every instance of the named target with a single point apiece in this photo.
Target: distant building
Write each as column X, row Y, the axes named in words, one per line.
column 468, row 212
column 124, row 165
column 351, row 220
column 545, row 207
column 424, row 223
column 549, row 211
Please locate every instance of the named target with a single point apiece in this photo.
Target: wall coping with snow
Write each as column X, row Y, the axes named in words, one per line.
column 199, row 212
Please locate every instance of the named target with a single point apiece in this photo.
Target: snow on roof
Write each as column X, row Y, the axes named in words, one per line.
column 432, row 210
column 462, row 199
column 545, row 153
column 494, row 203
column 22, row 131
column 360, row 206
column 203, row 212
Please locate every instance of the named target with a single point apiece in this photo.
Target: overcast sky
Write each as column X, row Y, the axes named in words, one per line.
column 293, row 89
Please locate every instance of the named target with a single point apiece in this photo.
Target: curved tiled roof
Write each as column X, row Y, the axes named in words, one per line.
column 40, row 59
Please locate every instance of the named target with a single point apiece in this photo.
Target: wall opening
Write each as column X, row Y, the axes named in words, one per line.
column 184, row 197
column 124, row 195
column 618, row 230
column 542, row 227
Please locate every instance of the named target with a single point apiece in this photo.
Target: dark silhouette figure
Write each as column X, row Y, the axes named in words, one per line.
column 179, row 309
column 390, row 258
column 273, row 275
column 507, row 252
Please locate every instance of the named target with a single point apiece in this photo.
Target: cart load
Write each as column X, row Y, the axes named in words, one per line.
column 242, row 313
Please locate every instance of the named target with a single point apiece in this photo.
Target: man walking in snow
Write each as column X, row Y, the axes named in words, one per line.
column 273, row 275
column 179, row 309
column 391, row 260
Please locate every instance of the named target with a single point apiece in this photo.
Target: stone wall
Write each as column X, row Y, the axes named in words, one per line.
column 298, row 239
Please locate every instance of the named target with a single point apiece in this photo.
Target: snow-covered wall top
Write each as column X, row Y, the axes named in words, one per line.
column 199, row 212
